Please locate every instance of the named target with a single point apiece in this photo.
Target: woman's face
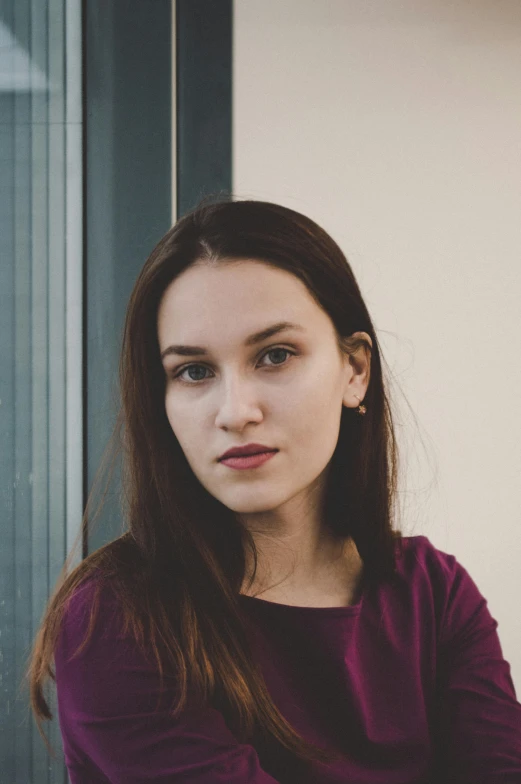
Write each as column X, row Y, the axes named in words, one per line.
column 285, row 392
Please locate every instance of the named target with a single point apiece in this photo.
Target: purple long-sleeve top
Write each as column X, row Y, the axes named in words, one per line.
column 409, row 683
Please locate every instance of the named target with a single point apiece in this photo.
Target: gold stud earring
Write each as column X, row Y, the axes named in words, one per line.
column 361, row 409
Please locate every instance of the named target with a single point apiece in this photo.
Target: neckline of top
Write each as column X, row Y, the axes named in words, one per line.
column 349, row 609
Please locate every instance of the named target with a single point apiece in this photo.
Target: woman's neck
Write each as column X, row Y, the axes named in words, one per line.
column 334, row 580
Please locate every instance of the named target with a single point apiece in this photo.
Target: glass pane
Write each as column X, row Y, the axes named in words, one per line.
column 128, row 181
column 40, row 348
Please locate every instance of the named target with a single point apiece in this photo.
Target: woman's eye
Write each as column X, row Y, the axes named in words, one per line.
column 196, row 367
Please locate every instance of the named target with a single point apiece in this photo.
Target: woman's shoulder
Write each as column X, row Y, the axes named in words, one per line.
column 96, row 595
column 419, row 556
column 91, row 614
column 439, row 579
column 95, row 592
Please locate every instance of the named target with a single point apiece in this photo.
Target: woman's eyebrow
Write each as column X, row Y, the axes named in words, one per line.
column 257, row 337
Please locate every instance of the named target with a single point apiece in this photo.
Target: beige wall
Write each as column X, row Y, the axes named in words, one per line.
column 397, row 126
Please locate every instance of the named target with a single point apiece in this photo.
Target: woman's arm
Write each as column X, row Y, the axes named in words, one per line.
column 106, row 703
column 479, row 716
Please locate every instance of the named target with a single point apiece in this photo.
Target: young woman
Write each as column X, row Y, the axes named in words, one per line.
column 261, row 621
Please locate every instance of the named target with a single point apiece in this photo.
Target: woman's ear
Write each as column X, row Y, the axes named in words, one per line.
column 358, row 371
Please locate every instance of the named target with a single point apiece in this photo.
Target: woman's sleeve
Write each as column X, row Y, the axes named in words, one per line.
column 111, row 732
column 479, row 714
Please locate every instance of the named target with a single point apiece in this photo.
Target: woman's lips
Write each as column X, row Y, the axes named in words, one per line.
column 248, row 461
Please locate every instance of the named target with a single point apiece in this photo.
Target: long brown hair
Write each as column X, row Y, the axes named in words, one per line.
column 179, row 566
